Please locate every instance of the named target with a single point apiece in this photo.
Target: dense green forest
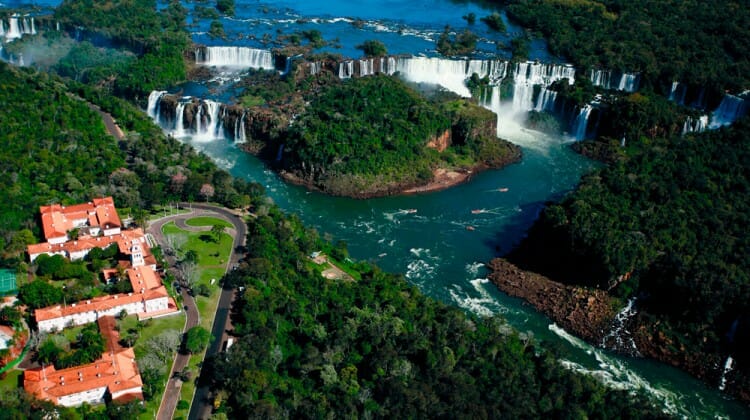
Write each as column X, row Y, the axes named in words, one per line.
column 55, row 149
column 667, row 223
column 310, row 347
column 701, row 43
column 373, row 132
column 158, row 39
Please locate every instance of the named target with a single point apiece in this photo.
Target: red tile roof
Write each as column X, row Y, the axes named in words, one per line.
column 116, row 370
column 57, row 219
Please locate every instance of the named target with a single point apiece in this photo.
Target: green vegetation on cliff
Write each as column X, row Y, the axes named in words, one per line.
column 313, row 347
column 666, row 222
column 376, row 135
column 703, row 43
column 158, row 39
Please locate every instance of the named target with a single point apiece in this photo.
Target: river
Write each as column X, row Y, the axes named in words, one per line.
column 432, row 245
column 440, row 241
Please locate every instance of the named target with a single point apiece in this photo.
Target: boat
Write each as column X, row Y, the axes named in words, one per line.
column 477, row 211
column 502, row 189
column 410, row 211
column 469, row 227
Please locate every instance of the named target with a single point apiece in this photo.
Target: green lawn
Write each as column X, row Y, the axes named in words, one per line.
column 212, row 263
column 11, row 379
column 152, row 328
column 207, row 221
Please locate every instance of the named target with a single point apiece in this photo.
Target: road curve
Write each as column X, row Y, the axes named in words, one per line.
column 239, row 232
column 200, row 407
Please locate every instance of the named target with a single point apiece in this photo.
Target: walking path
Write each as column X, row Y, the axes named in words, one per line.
column 238, row 232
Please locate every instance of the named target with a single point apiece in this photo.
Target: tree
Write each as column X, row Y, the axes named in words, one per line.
column 189, row 272
column 216, row 232
column 494, row 22
column 10, row 316
column 207, row 191
column 197, row 339
column 373, row 48
column 39, row 294
column 225, row 6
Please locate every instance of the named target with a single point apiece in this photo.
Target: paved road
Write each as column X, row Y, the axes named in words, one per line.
column 200, row 408
column 239, row 232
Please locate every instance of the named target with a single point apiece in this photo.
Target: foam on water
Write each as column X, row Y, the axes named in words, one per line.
column 478, row 300
column 616, row 374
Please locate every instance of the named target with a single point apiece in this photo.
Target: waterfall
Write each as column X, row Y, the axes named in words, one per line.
column 14, row 31
column 211, row 129
column 677, row 93
column 529, row 74
column 619, row 338
column 2, row 29
column 727, row 368
column 346, row 69
column 606, row 79
column 179, row 127
column 730, row 110
column 315, row 67
column 450, row 74
column 154, row 98
column 366, row 67
column 235, row 57
column 695, row 125
column 239, row 130
column 628, row 82
column 546, row 101
column 582, row 122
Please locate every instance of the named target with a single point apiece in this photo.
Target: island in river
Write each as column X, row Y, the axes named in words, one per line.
column 359, row 137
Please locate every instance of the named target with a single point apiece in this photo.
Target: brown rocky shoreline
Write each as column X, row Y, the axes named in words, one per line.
column 589, row 313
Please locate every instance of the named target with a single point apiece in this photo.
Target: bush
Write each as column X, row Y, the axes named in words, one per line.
column 373, row 48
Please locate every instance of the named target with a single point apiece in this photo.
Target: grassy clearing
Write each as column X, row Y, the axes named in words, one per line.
column 151, row 328
column 207, row 221
column 11, row 379
column 211, row 264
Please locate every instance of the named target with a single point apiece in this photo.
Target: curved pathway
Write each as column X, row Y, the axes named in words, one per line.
column 238, row 232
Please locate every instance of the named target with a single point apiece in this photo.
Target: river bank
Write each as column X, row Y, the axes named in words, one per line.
column 594, row 316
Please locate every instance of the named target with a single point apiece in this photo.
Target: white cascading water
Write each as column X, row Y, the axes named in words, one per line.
column 239, row 130
column 546, row 100
column 152, row 110
column 315, row 67
column 529, row 74
column 695, row 125
column 235, row 57
column 2, row 29
column 582, row 121
column 730, row 110
column 346, row 69
column 627, row 82
column 727, row 368
column 366, row 67
column 450, row 74
column 677, row 93
column 619, row 338
column 179, row 125
column 211, row 129
column 14, row 31
column 616, row 373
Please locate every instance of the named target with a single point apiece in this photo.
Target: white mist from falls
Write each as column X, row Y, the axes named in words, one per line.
column 235, row 57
